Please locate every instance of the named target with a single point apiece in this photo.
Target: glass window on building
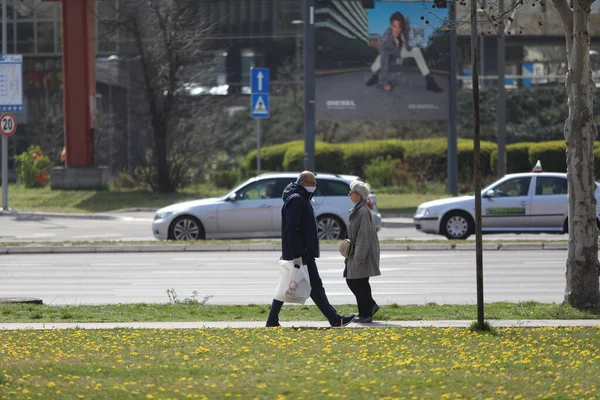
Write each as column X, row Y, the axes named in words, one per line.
column 10, row 34
column 248, row 61
column 289, row 17
column 25, row 38
column 107, row 37
column 45, row 37
column 107, row 9
column 47, row 11
column 24, row 9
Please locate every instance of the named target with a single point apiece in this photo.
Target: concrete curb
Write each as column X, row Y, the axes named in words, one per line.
column 45, row 249
column 385, row 224
column 295, row 324
column 39, row 216
column 112, row 216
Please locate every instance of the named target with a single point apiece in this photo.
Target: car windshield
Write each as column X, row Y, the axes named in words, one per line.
column 238, row 187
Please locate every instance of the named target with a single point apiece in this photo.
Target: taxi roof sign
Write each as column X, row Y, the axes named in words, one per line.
column 538, row 167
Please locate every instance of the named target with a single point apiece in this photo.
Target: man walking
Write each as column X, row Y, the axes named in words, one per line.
column 299, row 242
column 394, row 44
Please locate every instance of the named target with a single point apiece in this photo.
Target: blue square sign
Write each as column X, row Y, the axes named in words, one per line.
column 260, row 80
column 259, row 106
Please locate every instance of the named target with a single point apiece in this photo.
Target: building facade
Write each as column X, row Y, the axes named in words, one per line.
column 341, row 30
column 244, row 34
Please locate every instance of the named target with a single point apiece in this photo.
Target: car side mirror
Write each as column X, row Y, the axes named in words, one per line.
column 490, row 193
column 232, row 197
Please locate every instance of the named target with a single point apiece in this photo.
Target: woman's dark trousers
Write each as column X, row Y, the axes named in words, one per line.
column 364, row 299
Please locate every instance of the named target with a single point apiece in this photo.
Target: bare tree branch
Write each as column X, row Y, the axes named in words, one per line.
column 566, row 17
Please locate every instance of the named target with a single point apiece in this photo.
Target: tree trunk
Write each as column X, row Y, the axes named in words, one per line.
column 164, row 180
column 582, row 286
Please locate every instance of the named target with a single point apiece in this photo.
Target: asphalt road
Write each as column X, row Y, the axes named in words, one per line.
column 413, row 277
column 136, row 226
column 408, row 100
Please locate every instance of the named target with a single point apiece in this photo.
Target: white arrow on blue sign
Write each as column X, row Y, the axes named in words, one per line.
column 259, row 106
column 260, row 80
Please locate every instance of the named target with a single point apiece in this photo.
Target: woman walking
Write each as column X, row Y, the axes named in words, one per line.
column 364, row 260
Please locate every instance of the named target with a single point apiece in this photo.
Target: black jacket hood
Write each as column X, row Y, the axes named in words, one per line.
column 293, row 188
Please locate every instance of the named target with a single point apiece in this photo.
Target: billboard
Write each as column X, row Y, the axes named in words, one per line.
column 389, row 62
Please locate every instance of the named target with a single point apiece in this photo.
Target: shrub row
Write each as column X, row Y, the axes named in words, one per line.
column 425, row 159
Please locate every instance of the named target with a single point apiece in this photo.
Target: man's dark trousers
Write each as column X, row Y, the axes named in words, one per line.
column 317, row 294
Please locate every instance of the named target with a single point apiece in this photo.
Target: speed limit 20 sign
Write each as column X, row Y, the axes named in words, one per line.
column 8, row 124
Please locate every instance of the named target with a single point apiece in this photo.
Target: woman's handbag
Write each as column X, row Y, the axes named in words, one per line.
column 347, row 248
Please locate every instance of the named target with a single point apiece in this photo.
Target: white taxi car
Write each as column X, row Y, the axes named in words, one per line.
column 253, row 210
column 533, row 202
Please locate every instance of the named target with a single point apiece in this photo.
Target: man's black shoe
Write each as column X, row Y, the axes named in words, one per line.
column 375, row 309
column 363, row 320
column 431, row 85
column 344, row 321
column 373, row 79
column 271, row 325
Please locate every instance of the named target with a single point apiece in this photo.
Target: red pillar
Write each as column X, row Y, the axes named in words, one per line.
column 79, row 72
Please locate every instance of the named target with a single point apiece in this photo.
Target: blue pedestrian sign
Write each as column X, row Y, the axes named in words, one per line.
column 259, row 106
column 260, row 80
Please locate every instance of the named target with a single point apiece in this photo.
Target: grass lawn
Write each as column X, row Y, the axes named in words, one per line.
column 89, row 201
column 198, row 309
column 416, row 363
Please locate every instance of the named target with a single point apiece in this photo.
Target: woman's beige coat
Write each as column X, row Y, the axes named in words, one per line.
column 363, row 234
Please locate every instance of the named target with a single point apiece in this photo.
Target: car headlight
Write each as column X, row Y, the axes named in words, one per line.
column 162, row 215
column 422, row 212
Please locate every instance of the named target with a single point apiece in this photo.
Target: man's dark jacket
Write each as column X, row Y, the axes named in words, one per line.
column 298, row 224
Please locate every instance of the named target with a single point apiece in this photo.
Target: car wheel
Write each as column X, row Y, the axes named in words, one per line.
column 457, row 225
column 186, row 227
column 330, row 227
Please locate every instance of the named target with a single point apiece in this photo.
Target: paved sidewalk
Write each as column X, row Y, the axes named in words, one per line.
column 154, row 248
column 294, row 324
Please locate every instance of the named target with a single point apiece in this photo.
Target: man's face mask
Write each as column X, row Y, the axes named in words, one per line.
column 311, row 189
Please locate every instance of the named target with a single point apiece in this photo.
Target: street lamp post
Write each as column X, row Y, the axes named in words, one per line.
column 309, row 85
column 4, row 138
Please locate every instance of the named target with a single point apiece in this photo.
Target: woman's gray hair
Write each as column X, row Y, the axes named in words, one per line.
column 361, row 188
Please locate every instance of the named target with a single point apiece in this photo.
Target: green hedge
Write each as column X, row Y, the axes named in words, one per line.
column 552, row 155
column 358, row 155
column 328, row 158
column 517, row 158
column 271, row 157
column 426, row 159
column 465, row 158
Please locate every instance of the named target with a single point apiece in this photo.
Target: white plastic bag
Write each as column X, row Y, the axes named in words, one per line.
column 294, row 283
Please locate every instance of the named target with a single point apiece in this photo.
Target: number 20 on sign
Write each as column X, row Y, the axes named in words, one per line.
column 8, row 124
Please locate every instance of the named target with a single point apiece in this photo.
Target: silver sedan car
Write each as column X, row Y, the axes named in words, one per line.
column 253, row 210
column 533, row 202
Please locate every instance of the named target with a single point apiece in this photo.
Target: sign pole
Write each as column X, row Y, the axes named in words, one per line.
column 258, row 144
column 477, row 165
column 4, row 138
column 452, row 108
column 260, row 88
